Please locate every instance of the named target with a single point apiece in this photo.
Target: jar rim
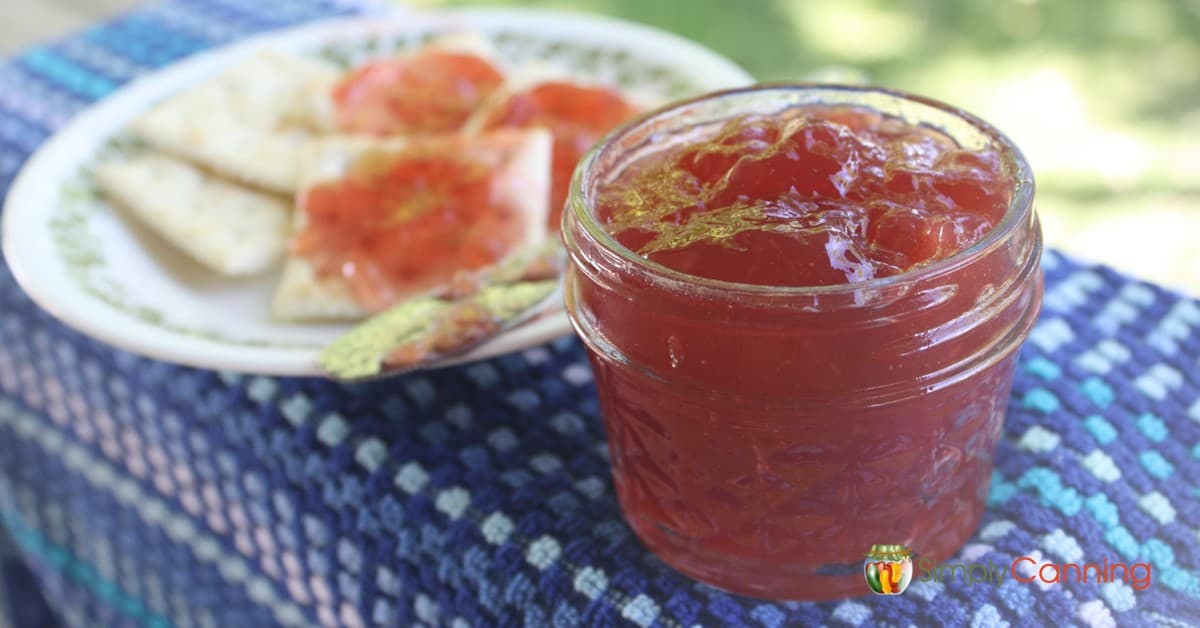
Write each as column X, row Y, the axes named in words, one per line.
column 1017, row 214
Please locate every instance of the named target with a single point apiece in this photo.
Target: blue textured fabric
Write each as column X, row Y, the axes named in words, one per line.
column 141, row 493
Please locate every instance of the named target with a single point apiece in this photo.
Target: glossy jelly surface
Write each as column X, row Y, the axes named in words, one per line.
column 401, row 222
column 849, row 390
column 824, row 195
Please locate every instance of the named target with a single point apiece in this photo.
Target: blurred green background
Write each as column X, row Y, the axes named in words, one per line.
column 1103, row 96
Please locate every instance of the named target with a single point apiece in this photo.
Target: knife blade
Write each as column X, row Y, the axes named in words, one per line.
column 472, row 309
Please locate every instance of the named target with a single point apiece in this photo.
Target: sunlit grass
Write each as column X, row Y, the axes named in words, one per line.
column 854, row 30
column 1148, row 236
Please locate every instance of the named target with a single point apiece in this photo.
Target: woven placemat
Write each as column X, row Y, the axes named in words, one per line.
column 143, row 493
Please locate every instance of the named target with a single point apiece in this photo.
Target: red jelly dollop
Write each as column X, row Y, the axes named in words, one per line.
column 576, row 115
column 824, row 195
column 432, row 91
column 405, row 222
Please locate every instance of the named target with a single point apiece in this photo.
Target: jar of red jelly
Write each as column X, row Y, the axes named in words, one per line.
column 764, row 437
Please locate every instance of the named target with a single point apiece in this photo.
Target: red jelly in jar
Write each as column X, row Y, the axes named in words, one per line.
column 803, row 306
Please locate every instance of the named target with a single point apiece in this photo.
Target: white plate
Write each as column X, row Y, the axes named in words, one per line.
column 98, row 272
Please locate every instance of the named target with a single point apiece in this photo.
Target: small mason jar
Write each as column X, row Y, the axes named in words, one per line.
column 763, row 438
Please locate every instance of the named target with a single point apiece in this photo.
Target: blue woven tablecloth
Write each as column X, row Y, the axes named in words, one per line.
column 137, row 492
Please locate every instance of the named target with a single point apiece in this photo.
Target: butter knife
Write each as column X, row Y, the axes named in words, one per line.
column 472, row 309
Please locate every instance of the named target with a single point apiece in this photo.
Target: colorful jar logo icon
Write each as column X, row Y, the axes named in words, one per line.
column 888, row 569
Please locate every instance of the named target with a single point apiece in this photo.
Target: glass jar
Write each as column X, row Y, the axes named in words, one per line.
column 764, row 438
